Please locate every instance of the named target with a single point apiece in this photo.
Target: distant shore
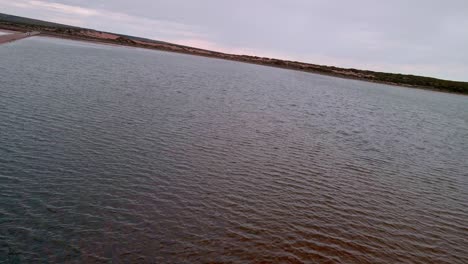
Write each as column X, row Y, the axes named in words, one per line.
column 16, row 36
column 7, row 31
column 90, row 35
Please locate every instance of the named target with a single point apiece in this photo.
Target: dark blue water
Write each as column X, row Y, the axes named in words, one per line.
column 111, row 154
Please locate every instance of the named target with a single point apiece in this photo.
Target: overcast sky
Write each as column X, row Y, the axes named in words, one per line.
column 425, row 37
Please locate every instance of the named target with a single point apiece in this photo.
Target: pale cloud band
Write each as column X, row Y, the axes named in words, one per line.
column 99, row 18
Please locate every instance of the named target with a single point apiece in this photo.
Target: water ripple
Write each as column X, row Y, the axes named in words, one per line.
column 113, row 154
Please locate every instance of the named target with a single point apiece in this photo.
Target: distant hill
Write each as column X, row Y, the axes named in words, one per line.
column 36, row 22
column 77, row 33
column 30, row 21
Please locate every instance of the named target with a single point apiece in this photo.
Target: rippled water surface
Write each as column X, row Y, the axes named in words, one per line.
column 119, row 154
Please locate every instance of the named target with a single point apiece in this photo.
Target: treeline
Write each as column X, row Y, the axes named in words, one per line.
column 391, row 78
column 421, row 81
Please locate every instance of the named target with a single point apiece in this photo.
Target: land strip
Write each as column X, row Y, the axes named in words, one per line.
column 49, row 29
column 17, row 36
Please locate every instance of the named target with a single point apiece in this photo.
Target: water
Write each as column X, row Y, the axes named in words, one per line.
column 119, row 154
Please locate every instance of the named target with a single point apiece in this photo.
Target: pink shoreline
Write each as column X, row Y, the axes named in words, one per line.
column 8, row 31
column 16, row 36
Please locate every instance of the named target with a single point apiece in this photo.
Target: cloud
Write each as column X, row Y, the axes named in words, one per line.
column 102, row 19
column 61, row 8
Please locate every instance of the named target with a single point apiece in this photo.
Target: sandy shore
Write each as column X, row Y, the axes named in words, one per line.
column 6, row 31
column 13, row 37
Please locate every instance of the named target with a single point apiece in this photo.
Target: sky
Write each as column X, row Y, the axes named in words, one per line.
column 423, row 37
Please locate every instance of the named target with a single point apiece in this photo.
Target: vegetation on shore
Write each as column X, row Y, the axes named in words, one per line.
column 59, row 30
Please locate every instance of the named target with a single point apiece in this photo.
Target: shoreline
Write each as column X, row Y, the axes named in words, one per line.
column 8, row 31
column 16, row 36
column 402, row 80
column 110, row 43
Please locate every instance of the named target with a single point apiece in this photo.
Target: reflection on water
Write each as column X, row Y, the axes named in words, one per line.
column 114, row 153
